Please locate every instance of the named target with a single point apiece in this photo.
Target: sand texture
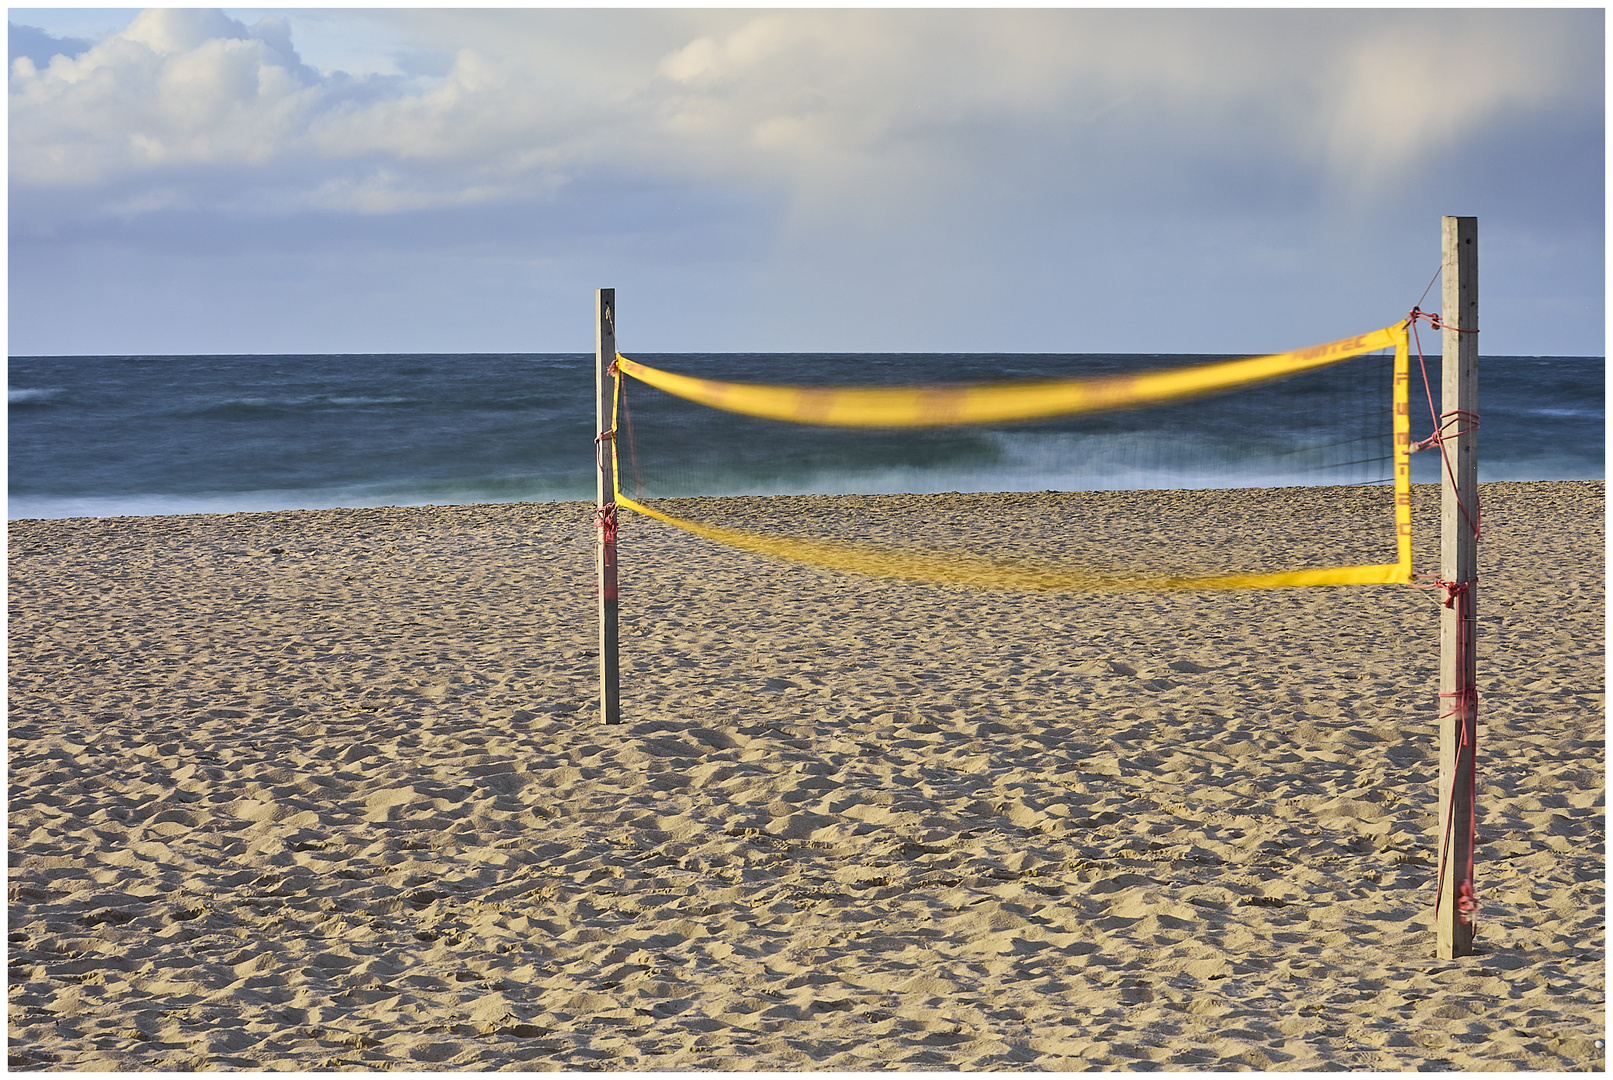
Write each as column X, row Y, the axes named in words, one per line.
column 326, row 789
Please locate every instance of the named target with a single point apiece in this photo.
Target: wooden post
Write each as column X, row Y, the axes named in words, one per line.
column 1456, row 904
column 610, row 703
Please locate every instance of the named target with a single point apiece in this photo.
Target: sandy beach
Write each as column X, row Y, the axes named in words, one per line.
column 326, row 789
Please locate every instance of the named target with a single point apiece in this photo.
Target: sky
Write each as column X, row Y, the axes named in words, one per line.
column 303, row 180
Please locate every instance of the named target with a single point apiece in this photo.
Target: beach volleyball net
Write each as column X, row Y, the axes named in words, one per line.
column 692, row 450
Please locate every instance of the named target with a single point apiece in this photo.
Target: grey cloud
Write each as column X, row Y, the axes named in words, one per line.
column 38, row 46
column 823, row 103
column 811, row 159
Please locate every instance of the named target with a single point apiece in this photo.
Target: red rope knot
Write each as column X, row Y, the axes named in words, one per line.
column 605, row 516
column 1467, row 707
column 1433, row 319
column 1452, row 589
column 1467, row 901
column 605, row 436
column 1441, row 436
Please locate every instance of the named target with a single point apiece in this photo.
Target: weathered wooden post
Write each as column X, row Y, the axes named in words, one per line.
column 1456, row 906
column 610, row 705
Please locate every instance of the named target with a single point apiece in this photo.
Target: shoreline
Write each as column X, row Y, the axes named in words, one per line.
column 1121, row 493
column 324, row 789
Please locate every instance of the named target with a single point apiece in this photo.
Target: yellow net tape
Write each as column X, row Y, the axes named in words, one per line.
column 997, row 403
column 953, row 568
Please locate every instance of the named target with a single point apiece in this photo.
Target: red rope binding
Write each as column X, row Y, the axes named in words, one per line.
column 1441, row 420
column 1433, row 319
column 1459, row 416
column 1458, row 595
column 605, row 516
column 1467, row 901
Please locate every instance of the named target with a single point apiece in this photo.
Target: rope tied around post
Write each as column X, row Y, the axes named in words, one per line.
column 1455, row 416
column 1454, row 589
column 605, row 518
column 1433, row 319
column 606, row 498
column 1442, row 420
column 1465, row 707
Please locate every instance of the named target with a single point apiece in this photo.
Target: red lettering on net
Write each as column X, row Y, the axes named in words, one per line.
column 716, row 393
column 814, row 404
column 940, row 404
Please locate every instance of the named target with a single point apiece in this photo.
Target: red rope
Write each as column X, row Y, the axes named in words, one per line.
column 1433, row 319
column 1458, row 594
column 1440, row 420
column 605, row 516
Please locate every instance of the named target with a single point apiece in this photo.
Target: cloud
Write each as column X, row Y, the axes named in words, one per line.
column 38, row 46
column 824, row 104
column 186, row 88
column 1358, row 96
column 144, row 118
column 1396, row 101
column 925, row 161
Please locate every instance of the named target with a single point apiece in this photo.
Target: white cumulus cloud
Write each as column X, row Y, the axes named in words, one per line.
column 815, row 102
column 187, row 87
column 850, row 160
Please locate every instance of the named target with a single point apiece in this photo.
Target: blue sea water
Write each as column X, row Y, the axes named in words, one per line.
column 133, row 435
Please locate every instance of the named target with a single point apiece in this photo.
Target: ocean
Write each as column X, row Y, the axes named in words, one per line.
column 103, row 436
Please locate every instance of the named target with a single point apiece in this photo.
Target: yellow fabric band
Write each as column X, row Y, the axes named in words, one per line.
column 943, row 406
column 957, row 569
column 952, row 568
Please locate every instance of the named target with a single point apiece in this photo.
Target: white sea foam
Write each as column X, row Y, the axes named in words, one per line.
column 304, row 401
column 1589, row 412
column 114, row 437
column 433, row 493
column 1062, row 461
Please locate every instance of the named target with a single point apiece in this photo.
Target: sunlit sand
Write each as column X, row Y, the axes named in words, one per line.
column 324, row 789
